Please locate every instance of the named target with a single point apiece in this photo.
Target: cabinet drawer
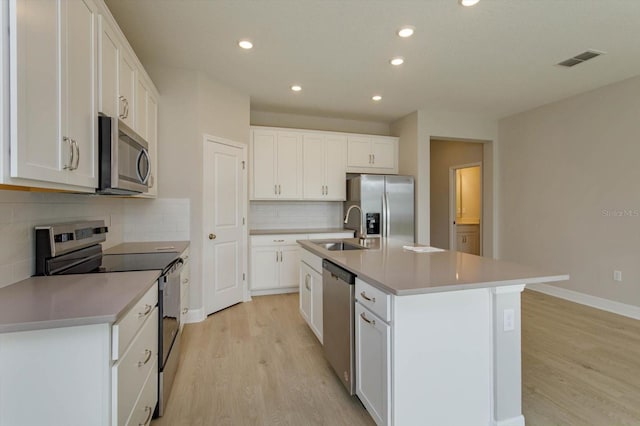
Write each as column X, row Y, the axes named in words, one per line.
column 128, row 326
column 130, row 372
column 315, row 262
column 277, row 240
column 143, row 410
column 373, row 299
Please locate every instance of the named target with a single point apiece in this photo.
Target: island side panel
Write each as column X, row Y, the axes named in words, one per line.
column 442, row 358
column 507, row 360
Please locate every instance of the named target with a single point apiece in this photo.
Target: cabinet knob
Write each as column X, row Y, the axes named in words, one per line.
column 212, row 236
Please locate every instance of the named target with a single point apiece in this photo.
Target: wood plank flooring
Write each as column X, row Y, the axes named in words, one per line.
column 258, row 363
column 580, row 365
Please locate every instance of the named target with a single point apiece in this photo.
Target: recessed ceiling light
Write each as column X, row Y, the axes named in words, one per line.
column 376, row 98
column 397, row 61
column 296, row 88
column 405, row 32
column 468, row 3
column 245, row 44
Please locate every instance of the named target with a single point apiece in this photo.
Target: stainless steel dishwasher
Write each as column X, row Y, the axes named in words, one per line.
column 338, row 323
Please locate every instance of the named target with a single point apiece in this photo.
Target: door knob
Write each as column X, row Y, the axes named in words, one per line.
column 212, row 236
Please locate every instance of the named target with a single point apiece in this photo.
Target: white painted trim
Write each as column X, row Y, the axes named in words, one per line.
column 514, row 421
column 623, row 309
column 274, row 291
column 195, row 315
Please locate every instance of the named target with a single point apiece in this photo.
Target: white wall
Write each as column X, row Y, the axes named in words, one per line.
column 434, row 124
column 21, row 211
column 191, row 105
column 569, row 190
column 312, row 122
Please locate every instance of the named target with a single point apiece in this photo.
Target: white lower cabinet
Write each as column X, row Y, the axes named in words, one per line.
column 373, row 363
column 275, row 261
column 311, row 297
column 185, row 287
column 90, row 375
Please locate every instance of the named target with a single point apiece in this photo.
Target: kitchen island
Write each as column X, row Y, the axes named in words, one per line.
column 437, row 334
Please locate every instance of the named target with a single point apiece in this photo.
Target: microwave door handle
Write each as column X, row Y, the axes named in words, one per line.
column 144, row 153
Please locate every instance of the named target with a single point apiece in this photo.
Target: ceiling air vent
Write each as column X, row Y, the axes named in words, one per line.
column 578, row 59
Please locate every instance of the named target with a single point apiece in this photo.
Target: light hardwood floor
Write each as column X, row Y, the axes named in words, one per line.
column 580, row 365
column 258, row 363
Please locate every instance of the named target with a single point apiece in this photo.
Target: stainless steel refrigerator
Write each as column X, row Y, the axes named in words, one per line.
column 387, row 205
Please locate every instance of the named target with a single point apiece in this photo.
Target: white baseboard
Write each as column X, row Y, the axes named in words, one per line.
column 586, row 299
column 513, row 421
column 274, row 291
column 195, row 315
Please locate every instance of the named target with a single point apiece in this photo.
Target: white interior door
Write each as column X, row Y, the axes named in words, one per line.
column 225, row 195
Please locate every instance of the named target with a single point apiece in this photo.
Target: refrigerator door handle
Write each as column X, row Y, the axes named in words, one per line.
column 388, row 215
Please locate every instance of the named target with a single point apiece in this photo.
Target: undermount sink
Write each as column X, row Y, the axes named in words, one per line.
column 339, row 246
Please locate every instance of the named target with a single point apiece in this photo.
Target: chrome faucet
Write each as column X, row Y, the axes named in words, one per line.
column 363, row 233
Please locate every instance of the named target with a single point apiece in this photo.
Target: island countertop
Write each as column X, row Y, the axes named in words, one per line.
column 71, row 300
column 386, row 265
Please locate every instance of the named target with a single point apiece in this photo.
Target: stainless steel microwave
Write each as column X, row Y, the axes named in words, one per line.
column 124, row 165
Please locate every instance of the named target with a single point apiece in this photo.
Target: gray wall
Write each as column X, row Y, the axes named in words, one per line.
column 446, row 154
column 570, row 190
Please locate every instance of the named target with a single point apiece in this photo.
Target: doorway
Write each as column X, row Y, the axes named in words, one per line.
column 446, row 156
column 224, row 223
column 465, row 210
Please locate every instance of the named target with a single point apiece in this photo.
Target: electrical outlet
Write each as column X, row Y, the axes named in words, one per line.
column 617, row 276
column 509, row 318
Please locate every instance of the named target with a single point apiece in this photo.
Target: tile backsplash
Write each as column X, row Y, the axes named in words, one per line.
column 127, row 219
column 21, row 211
column 295, row 214
column 162, row 219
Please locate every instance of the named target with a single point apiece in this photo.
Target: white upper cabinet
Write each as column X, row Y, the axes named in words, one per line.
column 152, row 138
column 295, row 164
column 372, row 154
column 140, row 122
column 53, row 80
column 324, row 166
column 127, row 89
column 108, row 65
column 67, row 61
column 277, row 165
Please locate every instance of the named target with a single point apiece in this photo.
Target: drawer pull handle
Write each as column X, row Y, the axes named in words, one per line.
column 369, row 299
column 148, row 357
column 278, row 241
column 147, row 309
column 363, row 316
column 148, row 420
column 185, row 310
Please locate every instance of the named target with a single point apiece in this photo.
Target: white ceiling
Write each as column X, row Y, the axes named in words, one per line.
column 496, row 58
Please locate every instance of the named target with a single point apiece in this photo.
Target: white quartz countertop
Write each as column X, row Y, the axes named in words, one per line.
column 149, row 247
column 71, row 300
column 391, row 268
column 299, row 231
